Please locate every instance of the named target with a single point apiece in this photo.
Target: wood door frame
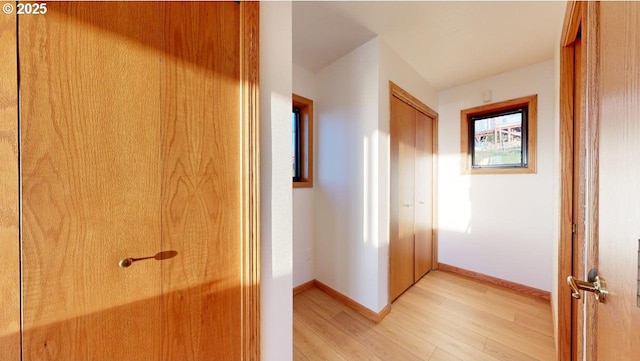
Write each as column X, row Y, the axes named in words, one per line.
column 250, row 188
column 581, row 20
column 403, row 95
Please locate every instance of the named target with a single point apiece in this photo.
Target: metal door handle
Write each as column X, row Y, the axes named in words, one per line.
column 595, row 284
column 407, row 205
column 126, row 262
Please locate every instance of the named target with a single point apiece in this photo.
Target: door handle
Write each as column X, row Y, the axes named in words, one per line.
column 594, row 283
column 160, row 256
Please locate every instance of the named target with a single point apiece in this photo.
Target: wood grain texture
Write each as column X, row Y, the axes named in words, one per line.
column 579, row 177
column 82, row 139
column 618, row 319
column 201, row 210
column 442, row 317
column 579, row 124
column 565, row 320
column 413, row 236
column 497, row 281
column 138, row 108
column 250, row 138
column 402, row 227
column 423, row 228
column 591, row 53
column 9, row 205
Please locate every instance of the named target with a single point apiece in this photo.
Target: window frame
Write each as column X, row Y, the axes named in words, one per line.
column 529, row 135
column 305, row 107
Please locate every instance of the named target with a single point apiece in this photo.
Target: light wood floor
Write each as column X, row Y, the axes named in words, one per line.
column 444, row 317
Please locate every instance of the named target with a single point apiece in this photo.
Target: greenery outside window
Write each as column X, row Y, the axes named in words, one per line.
column 302, row 142
column 500, row 138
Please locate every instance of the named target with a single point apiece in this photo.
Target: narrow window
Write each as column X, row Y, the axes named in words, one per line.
column 296, row 141
column 499, row 138
column 302, row 142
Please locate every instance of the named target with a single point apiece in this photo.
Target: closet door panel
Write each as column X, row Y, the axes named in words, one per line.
column 423, row 195
column 401, row 248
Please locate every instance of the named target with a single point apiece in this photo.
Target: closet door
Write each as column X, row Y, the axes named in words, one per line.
column 424, row 196
column 403, row 153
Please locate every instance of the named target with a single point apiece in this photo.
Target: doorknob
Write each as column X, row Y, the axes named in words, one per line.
column 595, row 284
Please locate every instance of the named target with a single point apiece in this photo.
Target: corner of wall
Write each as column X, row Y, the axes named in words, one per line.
column 276, row 306
column 304, row 84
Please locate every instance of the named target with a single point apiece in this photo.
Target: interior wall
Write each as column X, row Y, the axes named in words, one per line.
column 276, row 197
column 499, row 225
column 392, row 68
column 352, row 169
column 346, row 235
column 304, row 84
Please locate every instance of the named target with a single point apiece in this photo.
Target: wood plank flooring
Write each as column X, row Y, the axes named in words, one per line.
column 444, row 317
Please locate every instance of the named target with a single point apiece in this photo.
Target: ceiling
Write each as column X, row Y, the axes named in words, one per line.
column 447, row 42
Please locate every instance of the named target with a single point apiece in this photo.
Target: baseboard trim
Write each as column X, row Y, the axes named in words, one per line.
column 496, row 281
column 360, row 309
column 303, row 287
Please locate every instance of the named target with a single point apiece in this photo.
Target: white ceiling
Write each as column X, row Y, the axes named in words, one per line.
column 447, row 42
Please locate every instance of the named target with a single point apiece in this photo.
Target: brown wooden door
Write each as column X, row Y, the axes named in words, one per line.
column 424, row 197
column 401, row 244
column 411, row 240
column 578, row 197
column 618, row 319
column 131, row 145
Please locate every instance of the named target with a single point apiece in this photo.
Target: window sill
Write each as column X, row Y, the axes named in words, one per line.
column 303, row 184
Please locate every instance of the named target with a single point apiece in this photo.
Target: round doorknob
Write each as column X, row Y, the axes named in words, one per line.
column 125, row 262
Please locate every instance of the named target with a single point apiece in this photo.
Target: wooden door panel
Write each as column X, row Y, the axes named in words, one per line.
column 424, row 196
column 401, row 243
column 618, row 319
column 201, row 193
column 9, row 195
column 90, row 165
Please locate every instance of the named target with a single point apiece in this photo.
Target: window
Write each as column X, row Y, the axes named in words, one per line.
column 500, row 138
column 302, row 142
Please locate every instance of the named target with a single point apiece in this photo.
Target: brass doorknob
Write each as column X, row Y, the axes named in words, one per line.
column 595, row 284
column 125, row 262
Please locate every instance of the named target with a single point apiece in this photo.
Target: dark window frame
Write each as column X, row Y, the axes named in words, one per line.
column 305, row 131
column 524, row 111
column 528, row 137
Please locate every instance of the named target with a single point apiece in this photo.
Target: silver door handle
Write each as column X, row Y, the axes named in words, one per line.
column 595, row 284
column 407, row 205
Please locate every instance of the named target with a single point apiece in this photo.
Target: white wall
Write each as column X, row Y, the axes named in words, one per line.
column 352, row 169
column 499, row 225
column 304, row 84
column 346, row 242
column 276, row 198
column 392, row 68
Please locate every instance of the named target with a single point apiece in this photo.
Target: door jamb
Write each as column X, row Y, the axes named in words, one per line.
column 250, row 165
column 580, row 18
